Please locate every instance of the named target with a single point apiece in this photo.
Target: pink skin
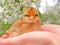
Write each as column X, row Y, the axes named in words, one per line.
column 49, row 35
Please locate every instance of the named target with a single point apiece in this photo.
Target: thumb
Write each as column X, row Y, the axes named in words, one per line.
column 51, row 28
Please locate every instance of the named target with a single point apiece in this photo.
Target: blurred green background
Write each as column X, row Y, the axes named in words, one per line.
column 12, row 10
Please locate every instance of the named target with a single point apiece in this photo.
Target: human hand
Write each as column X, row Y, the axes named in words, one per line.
column 49, row 35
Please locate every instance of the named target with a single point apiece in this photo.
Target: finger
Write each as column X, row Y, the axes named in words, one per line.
column 8, row 32
column 51, row 28
column 5, row 36
column 32, row 38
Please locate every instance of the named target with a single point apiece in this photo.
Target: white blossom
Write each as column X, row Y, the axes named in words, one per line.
column 37, row 2
column 5, row 21
column 1, row 9
column 11, row 0
column 27, row 2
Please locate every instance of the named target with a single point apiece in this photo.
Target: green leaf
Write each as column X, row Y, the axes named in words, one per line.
column 5, row 2
column 21, row 8
column 17, row 0
column 41, row 16
column 21, row 0
column 32, row 0
column 4, row 28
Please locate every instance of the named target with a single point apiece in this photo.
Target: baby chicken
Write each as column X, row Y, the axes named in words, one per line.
column 30, row 22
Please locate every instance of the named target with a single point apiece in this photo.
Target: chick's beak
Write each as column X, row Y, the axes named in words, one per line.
column 32, row 18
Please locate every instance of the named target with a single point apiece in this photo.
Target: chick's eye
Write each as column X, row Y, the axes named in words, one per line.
column 26, row 15
column 36, row 15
